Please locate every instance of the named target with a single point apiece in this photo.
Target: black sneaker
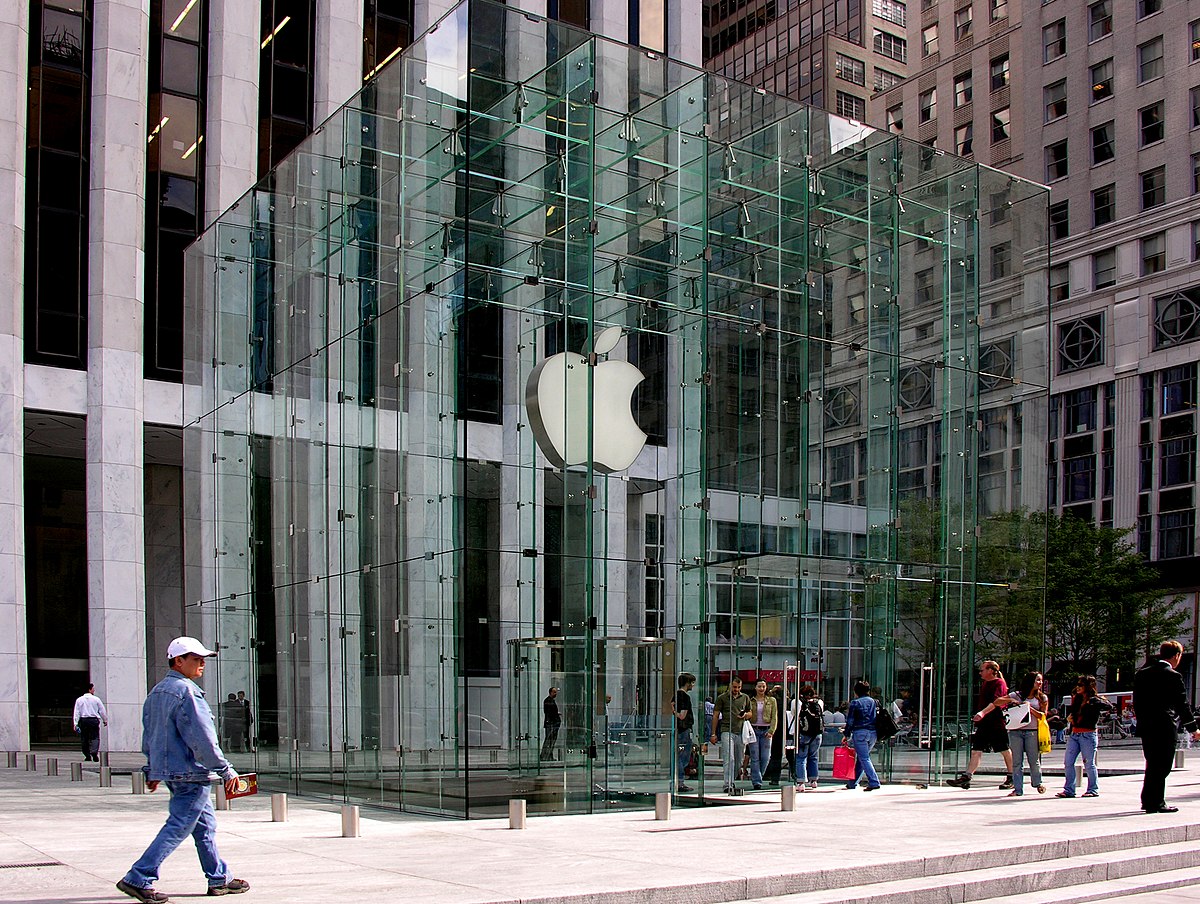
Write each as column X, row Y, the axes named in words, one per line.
column 684, row 789
column 232, row 887
column 1007, row 784
column 963, row 781
column 145, row 895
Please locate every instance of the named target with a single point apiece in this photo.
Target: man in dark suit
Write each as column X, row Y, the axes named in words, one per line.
column 1160, row 704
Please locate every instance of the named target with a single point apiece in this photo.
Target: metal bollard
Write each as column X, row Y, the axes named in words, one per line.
column 77, row 772
column 10, row 757
column 787, row 798
column 104, row 758
column 1078, row 775
column 105, row 776
column 350, row 822
column 31, row 762
column 278, row 808
column 1179, row 758
column 662, row 806
column 222, row 800
column 516, row 813
column 137, row 780
column 52, row 765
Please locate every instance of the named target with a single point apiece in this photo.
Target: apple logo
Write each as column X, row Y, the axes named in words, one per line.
column 556, row 397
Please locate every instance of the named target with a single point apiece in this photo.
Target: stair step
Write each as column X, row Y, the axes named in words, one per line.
column 1072, row 872
column 1150, row 883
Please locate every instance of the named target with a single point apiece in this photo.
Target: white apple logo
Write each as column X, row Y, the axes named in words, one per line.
column 556, row 398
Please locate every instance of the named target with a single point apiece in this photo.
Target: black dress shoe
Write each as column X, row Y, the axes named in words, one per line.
column 1164, row 809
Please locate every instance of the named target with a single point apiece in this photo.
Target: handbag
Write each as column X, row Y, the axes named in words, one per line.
column 748, row 735
column 1043, row 730
column 1018, row 716
column 844, row 761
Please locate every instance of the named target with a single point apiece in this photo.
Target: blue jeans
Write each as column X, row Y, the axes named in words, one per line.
column 190, row 813
column 760, row 755
column 1024, row 746
column 1083, row 742
column 806, row 757
column 863, row 740
column 732, row 748
column 683, row 751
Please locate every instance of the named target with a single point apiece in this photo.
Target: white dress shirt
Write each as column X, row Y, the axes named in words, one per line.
column 90, row 705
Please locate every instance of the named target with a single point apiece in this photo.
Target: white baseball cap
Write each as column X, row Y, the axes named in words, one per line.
column 181, row 646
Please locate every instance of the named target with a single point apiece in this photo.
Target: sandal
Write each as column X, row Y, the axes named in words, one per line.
column 1063, row 794
column 1091, row 793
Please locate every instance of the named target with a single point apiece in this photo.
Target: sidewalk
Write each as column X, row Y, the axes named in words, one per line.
column 717, row 853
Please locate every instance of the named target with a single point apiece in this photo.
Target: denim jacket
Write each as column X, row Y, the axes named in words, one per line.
column 860, row 715
column 179, row 737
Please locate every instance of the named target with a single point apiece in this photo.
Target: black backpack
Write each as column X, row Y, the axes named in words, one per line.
column 810, row 722
column 885, row 725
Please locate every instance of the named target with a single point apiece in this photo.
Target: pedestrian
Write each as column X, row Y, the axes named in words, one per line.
column 247, row 721
column 809, row 727
column 180, row 743
column 709, row 707
column 685, row 718
column 231, row 723
column 990, row 734
column 89, row 713
column 551, row 722
column 764, row 718
column 1086, row 707
column 1057, row 724
column 729, row 712
column 1161, row 706
column 1028, row 706
column 860, row 734
column 775, row 764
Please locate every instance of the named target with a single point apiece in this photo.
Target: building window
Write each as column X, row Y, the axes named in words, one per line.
column 1154, row 188
column 962, row 23
column 1177, row 318
column 1055, row 99
column 1001, row 260
column 1195, row 174
column 1056, row 161
column 996, row 364
column 1194, row 28
column 885, row 80
column 1150, row 60
column 1151, row 122
column 285, row 81
column 895, row 120
column 648, row 24
column 387, row 29
column 1104, row 268
column 923, row 287
column 1102, row 80
column 915, row 387
column 841, row 406
column 927, row 106
column 891, row 46
column 962, row 90
column 851, row 107
column 1176, row 534
column 999, row 69
column 1104, row 205
column 999, row 9
column 1000, row 120
column 929, row 40
column 1081, row 343
column 890, row 11
column 1103, row 143
column 1154, row 254
column 964, row 139
column 1060, row 283
column 1148, row 8
column 850, row 69
column 1054, row 40
column 1059, row 221
column 1100, row 20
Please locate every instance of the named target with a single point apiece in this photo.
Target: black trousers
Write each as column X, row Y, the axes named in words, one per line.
column 551, row 737
column 1158, row 746
column 89, row 737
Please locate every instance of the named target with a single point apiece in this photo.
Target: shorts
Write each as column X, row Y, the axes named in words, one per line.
column 990, row 737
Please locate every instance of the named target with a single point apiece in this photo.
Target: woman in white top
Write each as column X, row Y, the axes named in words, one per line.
column 1023, row 737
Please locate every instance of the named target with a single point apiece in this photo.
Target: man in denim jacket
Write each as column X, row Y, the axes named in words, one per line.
column 180, row 744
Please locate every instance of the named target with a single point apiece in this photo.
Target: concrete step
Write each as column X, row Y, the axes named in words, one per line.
column 1151, row 883
column 1103, row 863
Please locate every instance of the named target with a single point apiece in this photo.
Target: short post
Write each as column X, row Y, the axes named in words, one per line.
column 1179, row 757
column 77, row 772
column 222, row 800
column 104, row 758
column 1078, row 775
column 31, row 762
column 787, row 798
column 350, row 822
column 278, row 808
column 137, row 780
column 516, row 813
column 662, row 806
column 10, row 757
column 52, row 765
column 105, row 776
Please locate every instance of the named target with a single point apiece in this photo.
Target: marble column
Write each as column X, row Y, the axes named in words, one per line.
column 339, row 57
column 231, row 145
column 115, row 452
column 14, row 674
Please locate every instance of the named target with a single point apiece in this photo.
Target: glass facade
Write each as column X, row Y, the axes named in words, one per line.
column 586, row 369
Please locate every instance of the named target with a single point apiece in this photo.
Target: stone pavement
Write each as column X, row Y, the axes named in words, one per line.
column 747, row 851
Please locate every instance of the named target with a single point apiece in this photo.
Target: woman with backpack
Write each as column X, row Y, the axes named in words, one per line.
column 808, row 720
column 860, row 734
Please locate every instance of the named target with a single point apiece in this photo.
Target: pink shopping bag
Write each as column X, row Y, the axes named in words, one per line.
column 843, row 764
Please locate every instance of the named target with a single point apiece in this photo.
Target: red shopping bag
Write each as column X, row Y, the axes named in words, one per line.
column 843, row 763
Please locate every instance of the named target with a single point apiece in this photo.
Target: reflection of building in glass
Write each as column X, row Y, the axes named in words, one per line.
column 830, row 321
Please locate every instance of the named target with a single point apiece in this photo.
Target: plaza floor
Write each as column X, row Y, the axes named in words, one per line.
column 64, row 842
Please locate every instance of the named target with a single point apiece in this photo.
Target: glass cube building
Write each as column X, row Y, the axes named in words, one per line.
column 550, row 362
